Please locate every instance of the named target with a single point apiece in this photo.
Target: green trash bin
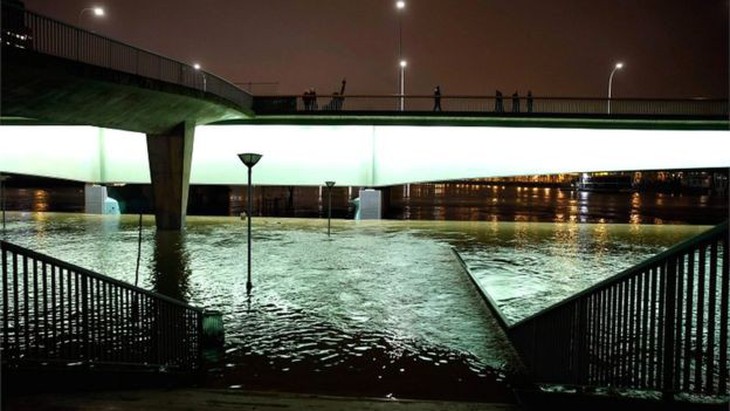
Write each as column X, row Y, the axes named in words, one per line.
column 213, row 338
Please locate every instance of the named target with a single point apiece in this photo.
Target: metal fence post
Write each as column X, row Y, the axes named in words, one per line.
column 85, row 314
column 670, row 298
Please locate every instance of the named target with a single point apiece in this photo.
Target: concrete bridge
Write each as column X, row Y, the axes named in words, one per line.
column 61, row 74
column 82, row 107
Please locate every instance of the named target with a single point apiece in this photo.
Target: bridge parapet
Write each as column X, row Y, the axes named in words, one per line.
column 23, row 29
column 495, row 106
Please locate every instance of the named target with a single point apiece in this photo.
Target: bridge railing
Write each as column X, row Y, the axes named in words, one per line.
column 659, row 326
column 25, row 29
column 58, row 314
column 490, row 105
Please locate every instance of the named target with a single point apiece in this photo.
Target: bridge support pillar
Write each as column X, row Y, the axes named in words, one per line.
column 170, row 155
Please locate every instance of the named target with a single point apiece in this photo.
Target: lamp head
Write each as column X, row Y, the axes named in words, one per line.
column 98, row 11
column 196, row 66
column 403, row 63
column 249, row 159
column 619, row 65
column 400, row 5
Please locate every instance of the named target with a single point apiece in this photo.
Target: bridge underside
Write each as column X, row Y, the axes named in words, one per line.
column 78, row 93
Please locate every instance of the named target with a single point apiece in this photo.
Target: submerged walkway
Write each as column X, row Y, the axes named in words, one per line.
column 221, row 400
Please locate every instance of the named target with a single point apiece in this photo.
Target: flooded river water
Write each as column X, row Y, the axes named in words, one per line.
column 378, row 308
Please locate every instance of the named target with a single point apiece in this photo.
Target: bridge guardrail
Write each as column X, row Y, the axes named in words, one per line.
column 490, row 105
column 661, row 326
column 32, row 31
column 57, row 313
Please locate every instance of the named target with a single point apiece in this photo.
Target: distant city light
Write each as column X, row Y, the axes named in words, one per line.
column 196, row 66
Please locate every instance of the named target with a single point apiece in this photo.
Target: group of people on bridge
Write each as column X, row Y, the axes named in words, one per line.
column 335, row 104
column 498, row 101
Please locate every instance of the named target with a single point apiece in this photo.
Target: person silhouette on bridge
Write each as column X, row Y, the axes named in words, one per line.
column 437, row 98
column 337, row 98
column 498, row 107
column 515, row 102
column 310, row 99
column 529, row 101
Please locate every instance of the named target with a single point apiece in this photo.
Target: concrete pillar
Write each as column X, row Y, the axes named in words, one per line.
column 170, row 155
column 96, row 200
column 94, row 197
column 370, row 205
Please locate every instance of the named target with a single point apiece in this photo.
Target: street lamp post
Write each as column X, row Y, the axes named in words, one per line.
column 329, row 205
column 249, row 160
column 618, row 66
column 197, row 67
column 400, row 5
column 403, row 65
column 97, row 11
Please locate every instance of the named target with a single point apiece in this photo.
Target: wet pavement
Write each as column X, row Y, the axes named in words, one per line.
column 209, row 399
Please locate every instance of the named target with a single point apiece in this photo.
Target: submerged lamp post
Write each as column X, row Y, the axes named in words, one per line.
column 618, row 66
column 249, row 160
column 329, row 205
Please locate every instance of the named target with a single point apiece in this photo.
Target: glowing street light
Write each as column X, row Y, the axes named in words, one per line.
column 97, row 11
column 618, row 66
column 198, row 68
column 403, row 65
column 249, row 160
column 400, row 5
column 329, row 204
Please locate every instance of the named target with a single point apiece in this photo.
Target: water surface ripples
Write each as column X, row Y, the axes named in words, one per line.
column 379, row 308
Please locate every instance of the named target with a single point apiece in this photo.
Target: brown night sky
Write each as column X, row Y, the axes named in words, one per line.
column 671, row 48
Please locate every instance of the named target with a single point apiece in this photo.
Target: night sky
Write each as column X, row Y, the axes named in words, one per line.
column 566, row 48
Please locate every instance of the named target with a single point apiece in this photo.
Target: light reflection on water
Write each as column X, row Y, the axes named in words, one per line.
column 381, row 304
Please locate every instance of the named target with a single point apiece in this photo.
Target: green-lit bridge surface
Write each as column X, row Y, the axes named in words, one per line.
column 358, row 154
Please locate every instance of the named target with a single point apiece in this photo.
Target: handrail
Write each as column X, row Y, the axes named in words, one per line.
column 682, row 247
column 661, row 325
column 68, row 266
column 46, row 35
column 54, row 312
column 493, row 105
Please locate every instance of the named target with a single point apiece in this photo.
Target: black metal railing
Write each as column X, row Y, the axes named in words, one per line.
column 661, row 325
column 489, row 105
column 55, row 313
column 25, row 29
